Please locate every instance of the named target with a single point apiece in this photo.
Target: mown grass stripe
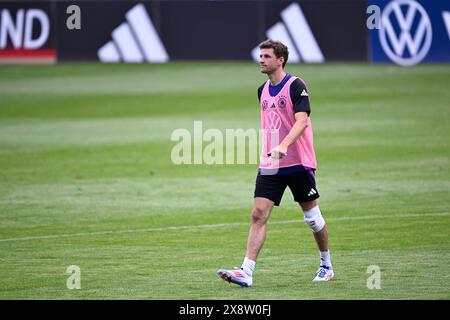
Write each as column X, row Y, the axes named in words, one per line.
column 212, row 226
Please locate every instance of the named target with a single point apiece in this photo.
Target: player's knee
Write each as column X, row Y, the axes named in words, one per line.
column 313, row 218
column 260, row 215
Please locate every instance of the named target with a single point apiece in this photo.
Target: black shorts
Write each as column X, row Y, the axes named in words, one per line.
column 301, row 183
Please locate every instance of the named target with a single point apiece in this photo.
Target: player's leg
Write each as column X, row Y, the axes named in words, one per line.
column 313, row 218
column 303, row 187
column 268, row 192
column 243, row 276
column 311, row 214
column 258, row 229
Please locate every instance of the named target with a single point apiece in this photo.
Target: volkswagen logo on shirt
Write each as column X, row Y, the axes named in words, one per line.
column 273, row 121
column 405, row 32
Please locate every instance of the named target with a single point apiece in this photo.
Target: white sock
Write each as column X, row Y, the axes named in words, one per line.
column 248, row 266
column 325, row 259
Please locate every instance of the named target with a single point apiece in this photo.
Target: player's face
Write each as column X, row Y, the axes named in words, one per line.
column 268, row 62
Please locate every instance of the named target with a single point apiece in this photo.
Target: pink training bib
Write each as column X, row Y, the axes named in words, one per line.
column 277, row 119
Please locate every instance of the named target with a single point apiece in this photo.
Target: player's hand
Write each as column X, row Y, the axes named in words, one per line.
column 278, row 152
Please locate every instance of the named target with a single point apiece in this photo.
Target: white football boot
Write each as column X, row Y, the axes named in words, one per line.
column 324, row 274
column 237, row 276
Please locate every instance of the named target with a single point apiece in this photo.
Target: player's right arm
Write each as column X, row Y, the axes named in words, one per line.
column 260, row 89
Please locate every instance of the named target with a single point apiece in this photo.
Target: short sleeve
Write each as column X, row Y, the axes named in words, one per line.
column 260, row 89
column 300, row 97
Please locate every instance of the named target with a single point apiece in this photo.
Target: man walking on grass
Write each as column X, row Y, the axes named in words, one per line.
column 285, row 111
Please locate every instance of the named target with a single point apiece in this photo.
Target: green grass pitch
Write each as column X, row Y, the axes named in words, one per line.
column 86, row 179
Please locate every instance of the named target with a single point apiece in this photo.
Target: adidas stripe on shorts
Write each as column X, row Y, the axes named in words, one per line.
column 301, row 183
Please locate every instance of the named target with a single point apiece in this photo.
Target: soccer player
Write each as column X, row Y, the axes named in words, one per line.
column 288, row 160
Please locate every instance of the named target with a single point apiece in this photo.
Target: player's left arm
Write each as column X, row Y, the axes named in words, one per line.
column 300, row 100
column 301, row 122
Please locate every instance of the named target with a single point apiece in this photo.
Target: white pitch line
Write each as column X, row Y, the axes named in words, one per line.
column 213, row 226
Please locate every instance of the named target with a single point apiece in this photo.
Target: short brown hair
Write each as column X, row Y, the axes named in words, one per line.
column 278, row 47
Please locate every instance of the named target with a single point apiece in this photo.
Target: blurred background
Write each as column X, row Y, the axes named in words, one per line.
column 161, row 31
